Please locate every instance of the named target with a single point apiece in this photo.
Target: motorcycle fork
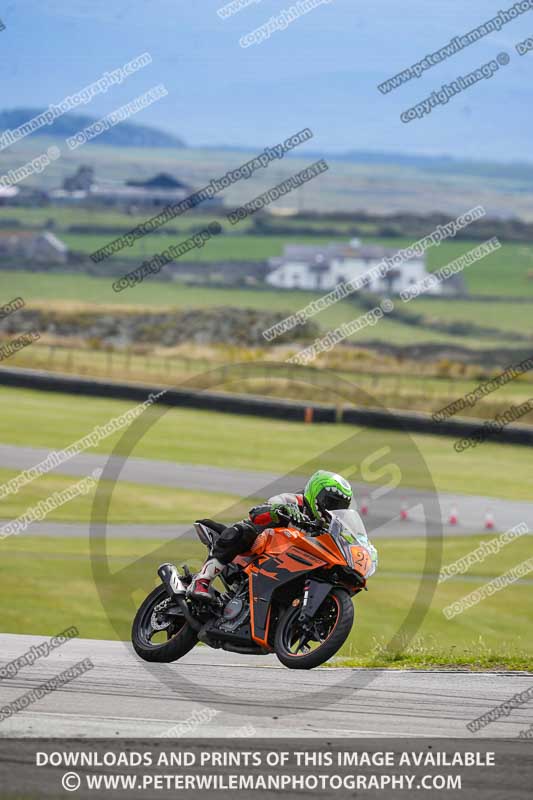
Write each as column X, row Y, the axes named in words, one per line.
column 315, row 592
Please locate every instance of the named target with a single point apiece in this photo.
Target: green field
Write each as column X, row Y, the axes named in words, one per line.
column 43, row 419
column 35, row 287
column 503, row 273
column 69, row 589
column 510, row 317
column 221, row 248
column 60, row 218
column 129, row 502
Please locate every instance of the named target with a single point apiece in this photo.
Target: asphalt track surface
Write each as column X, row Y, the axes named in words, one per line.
column 383, row 519
column 252, row 696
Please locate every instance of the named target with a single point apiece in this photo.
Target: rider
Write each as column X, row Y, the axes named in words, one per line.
column 324, row 491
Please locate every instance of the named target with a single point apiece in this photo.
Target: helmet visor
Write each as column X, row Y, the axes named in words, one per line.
column 331, row 501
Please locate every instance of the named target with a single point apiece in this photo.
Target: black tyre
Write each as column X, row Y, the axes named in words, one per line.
column 176, row 638
column 299, row 649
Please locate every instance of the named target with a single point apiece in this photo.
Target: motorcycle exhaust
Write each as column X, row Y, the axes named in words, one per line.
column 176, row 590
column 171, row 580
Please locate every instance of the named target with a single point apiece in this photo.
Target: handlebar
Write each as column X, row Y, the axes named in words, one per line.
column 310, row 525
column 316, row 527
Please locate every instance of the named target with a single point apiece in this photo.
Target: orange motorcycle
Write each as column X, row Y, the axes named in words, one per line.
column 291, row 595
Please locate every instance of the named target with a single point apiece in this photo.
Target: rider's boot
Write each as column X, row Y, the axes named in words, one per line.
column 201, row 582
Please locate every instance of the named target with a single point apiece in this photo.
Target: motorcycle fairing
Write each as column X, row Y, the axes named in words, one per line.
column 266, row 575
column 277, row 556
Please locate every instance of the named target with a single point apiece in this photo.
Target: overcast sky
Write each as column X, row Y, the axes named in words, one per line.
column 321, row 72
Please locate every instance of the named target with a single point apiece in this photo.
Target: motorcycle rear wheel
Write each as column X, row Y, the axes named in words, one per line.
column 331, row 625
column 180, row 636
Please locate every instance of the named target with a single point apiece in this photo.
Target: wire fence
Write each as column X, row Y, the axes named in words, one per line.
column 406, row 391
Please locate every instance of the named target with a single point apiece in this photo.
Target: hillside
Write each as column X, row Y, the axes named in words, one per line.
column 127, row 134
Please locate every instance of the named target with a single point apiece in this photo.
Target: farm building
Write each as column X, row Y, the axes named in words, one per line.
column 322, row 267
column 156, row 192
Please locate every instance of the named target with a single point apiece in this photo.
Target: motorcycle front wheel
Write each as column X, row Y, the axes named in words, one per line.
column 161, row 637
column 305, row 647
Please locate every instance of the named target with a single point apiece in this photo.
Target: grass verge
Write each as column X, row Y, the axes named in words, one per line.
column 130, row 502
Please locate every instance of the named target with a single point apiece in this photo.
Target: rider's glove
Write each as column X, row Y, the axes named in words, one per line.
column 291, row 511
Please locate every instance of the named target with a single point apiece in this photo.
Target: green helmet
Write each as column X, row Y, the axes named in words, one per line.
column 327, row 491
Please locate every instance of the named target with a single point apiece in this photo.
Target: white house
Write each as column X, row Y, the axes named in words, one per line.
column 322, row 267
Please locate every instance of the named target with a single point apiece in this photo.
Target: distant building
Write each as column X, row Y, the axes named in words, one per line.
column 322, row 267
column 7, row 193
column 81, row 181
column 22, row 196
column 161, row 190
column 161, row 182
column 43, row 248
